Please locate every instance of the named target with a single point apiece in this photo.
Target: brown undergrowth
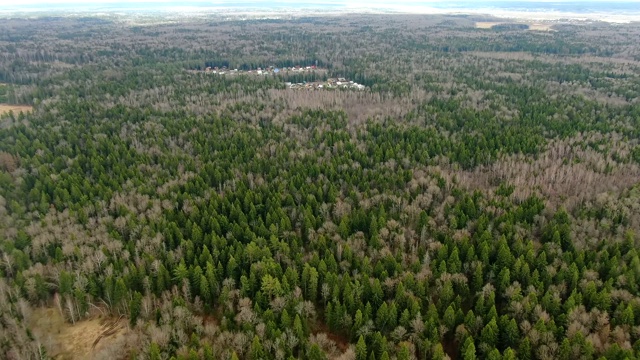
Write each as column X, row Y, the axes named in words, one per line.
column 92, row 338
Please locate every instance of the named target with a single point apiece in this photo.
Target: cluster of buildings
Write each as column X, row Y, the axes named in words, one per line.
column 271, row 70
column 339, row 83
column 334, row 83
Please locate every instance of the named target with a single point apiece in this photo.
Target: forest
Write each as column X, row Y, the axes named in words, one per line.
column 479, row 200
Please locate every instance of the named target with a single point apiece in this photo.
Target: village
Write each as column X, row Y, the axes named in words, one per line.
column 339, row 83
column 331, row 83
column 271, row 70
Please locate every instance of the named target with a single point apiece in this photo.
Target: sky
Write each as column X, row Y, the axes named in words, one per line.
column 346, row 2
column 619, row 11
column 613, row 11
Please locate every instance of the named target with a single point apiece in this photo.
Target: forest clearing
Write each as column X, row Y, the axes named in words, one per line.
column 90, row 338
column 529, row 26
column 6, row 108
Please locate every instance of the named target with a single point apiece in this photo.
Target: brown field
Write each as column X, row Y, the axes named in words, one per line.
column 486, row 24
column 541, row 27
column 5, row 108
column 532, row 26
column 86, row 339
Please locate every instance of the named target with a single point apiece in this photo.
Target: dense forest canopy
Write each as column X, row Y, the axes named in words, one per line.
column 479, row 200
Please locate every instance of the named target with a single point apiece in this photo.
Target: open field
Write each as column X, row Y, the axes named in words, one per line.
column 541, row 27
column 486, row 24
column 86, row 339
column 5, row 108
column 532, row 26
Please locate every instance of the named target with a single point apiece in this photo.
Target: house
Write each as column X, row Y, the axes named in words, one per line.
column 342, row 79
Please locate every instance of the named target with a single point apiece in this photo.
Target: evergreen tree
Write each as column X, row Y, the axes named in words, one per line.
column 361, row 349
column 469, row 349
column 135, row 307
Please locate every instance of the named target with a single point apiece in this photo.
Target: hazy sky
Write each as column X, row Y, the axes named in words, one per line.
column 44, row 2
column 14, row 3
column 619, row 11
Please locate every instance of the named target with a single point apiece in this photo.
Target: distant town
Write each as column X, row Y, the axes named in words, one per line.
column 339, row 83
column 329, row 83
column 271, row 70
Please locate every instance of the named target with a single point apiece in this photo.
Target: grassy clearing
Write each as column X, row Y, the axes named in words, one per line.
column 486, row 24
column 87, row 339
column 541, row 27
column 532, row 26
column 5, row 108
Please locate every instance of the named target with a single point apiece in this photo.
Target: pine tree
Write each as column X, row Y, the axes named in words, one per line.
column 257, row 351
column 524, row 350
column 510, row 333
column 154, row 352
column 404, row 353
column 490, row 333
column 509, row 354
column 564, row 353
column 361, row 349
column 119, row 292
column 469, row 349
column 449, row 318
column 298, row 329
column 208, row 352
column 382, row 316
column 135, row 307
column 315, row 353
column 438, row 352
column 205, row 291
